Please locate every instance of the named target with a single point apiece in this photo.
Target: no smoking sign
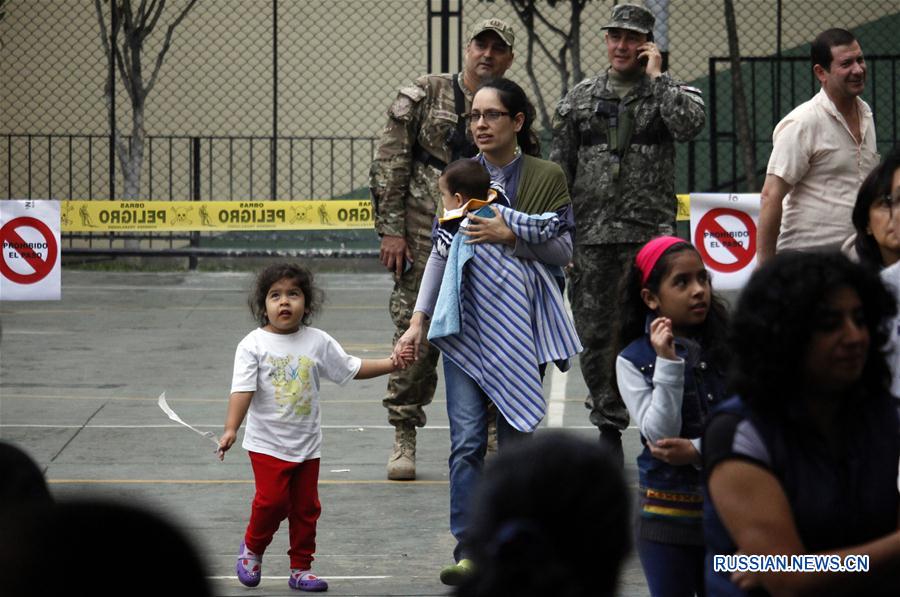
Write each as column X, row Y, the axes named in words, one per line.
column 726, row 238
column 723, row 229
column 29, row 241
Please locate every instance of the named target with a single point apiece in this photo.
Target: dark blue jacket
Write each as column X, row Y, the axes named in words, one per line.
column 838, row 498
column 671, row 496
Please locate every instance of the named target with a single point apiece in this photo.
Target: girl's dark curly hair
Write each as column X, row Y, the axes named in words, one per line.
column 633, row 312
column 515, row 100
column 777, row 314
column 874, row 188
column 550, row 517
column 313, row 297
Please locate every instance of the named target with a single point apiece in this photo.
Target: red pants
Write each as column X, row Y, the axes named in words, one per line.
column 285, row 490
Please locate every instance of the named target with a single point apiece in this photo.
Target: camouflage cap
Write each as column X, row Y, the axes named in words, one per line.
column 501, row 28
column 632, row 17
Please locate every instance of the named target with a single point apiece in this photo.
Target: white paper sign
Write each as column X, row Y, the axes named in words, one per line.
column 30, row 267
column 723, row 228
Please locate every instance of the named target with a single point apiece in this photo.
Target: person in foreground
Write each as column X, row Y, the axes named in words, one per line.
column 803, row 460
column 90, row 546
column 550, row 517
column 276, row 378
column 670, row 372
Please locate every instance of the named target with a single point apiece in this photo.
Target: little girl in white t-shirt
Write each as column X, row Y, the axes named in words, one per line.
column 276, row 378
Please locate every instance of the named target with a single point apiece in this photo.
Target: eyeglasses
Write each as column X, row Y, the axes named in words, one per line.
column 489, row 116
column 889, row 202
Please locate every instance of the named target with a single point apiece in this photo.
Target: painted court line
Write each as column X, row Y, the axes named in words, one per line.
column 219, row 426
column 235, row 482
column 556, row 407
column 166, row 426
column 323, row 577
column 224, row 401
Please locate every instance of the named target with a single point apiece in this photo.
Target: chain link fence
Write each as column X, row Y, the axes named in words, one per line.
column 275, row 99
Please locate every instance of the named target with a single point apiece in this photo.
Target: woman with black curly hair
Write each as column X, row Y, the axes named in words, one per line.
column 877, row 239
column 804, row 459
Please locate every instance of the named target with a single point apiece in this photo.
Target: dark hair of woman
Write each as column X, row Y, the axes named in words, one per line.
column 779, row 311
column 312, row 296
column 876, row 187
column 516, row 101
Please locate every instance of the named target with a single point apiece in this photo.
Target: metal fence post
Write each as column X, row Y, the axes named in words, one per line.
column 195, row 195
column 273, row 147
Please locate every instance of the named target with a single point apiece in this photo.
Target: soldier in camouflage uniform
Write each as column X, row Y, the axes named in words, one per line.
column 613, row 135
column 424, row 132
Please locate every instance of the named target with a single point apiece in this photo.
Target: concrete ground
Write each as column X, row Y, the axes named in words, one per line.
column 79, row 381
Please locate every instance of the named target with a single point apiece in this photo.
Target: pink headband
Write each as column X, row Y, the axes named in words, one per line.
column 650, row 253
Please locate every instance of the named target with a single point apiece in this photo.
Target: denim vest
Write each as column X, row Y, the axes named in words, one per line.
column 835, row 501
column 673, row 494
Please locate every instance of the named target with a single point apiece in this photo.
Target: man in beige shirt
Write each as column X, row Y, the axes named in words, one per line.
column 821, row 153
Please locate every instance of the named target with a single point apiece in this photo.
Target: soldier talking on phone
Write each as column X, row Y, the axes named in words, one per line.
column 614, row 135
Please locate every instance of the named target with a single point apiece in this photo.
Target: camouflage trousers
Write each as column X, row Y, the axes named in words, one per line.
column 410, row 390
column 593, row 293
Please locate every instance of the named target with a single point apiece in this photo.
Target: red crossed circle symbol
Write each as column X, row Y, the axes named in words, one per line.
column 41, row 267
column 710, row 224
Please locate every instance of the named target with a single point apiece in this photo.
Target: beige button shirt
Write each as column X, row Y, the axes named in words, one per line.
column 815, row 152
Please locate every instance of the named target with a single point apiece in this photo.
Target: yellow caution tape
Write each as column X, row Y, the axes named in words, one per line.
column 684, row 208
column 195, row 216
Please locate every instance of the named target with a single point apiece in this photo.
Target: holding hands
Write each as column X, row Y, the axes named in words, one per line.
column 403, row 356
column 662, row 338
column 407, row 347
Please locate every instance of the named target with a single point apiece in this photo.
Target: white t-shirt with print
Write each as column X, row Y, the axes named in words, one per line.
column 283, row 371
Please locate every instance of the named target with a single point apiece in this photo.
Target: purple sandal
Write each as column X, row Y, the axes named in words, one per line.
column 306, row 581
column 248, row 567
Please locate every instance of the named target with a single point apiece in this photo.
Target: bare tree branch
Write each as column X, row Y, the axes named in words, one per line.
column 540, row 105
column 127, row 16
column 142, row 15
column 550, row 26
column 157, row 12
column 162, row 53
column 575, row 39
column 108, row 91
column 153, row 10
column 123, row 45
column 745, row 138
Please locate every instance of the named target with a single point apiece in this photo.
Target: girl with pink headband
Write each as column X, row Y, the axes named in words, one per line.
column 669, row 373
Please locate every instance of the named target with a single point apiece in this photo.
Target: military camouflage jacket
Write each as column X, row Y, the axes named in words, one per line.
column 640, row 202
column 404, row 190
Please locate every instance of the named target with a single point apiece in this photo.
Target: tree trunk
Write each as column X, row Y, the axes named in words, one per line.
column 575, row 43
column 742, row 120
column 132, row 174
column 527, row 17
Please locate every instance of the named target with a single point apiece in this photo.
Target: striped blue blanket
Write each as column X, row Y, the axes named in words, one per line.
column 498, row 317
